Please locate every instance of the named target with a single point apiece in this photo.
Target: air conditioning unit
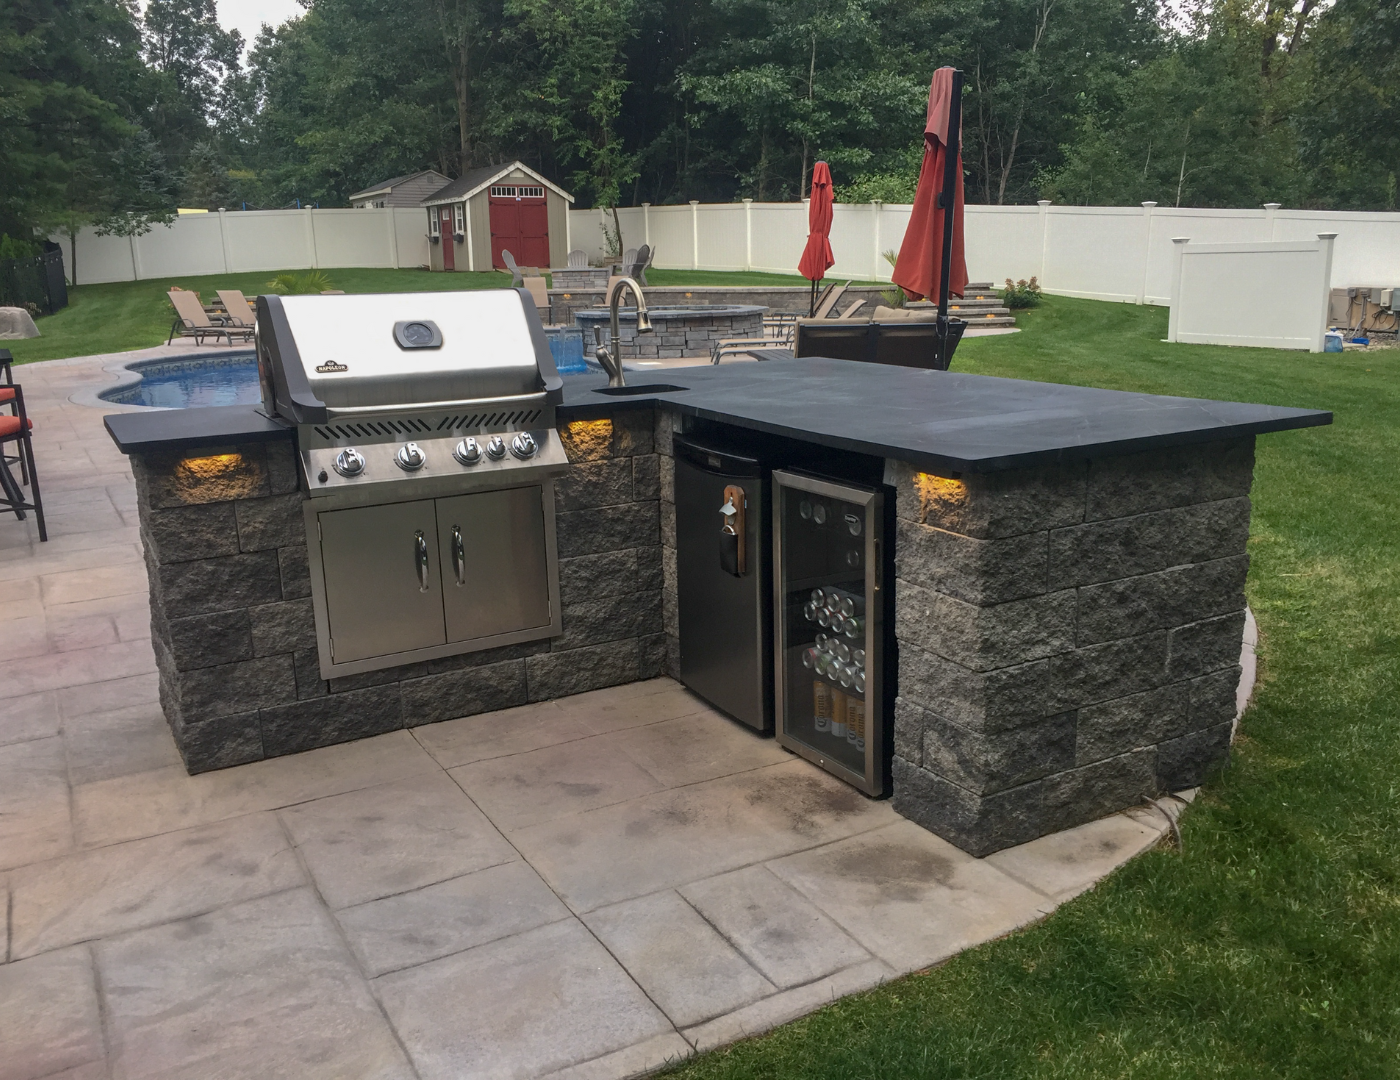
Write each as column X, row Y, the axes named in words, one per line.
column 1390, row 299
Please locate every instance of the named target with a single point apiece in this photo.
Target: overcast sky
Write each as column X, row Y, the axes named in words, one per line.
column 247, row 16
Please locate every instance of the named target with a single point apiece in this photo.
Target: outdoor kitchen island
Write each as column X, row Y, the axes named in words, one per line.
column 1067, row 593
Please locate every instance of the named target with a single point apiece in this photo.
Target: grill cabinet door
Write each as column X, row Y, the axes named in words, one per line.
column 496, row 577
column 376, row 559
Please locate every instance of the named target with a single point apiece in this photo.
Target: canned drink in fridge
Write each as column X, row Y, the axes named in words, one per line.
column 838, row 713
column 822, row 704
column 855, row 721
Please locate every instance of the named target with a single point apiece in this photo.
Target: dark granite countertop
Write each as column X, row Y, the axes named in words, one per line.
column 939, row 420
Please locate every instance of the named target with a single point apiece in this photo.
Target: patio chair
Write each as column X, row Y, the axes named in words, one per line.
column 7, row 397
column 515, row 275
column 628, row 258
column 191, row 320
column 578, row 259
column 240, row 312
column 16, row 429
column 636, row 267
column 850, row 311
column 539, row 293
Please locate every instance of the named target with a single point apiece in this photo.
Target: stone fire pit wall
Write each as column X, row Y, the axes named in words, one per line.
column 1069, row 638
column 679, row 331
column 233, row 628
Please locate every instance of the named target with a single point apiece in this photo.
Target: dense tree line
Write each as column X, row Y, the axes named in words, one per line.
column 106, row 110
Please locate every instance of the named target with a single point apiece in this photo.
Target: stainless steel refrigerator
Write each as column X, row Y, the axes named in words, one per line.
column 829, row 606
column 723, row 557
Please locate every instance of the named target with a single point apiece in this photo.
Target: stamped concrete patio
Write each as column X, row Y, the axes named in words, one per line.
column 587, row 888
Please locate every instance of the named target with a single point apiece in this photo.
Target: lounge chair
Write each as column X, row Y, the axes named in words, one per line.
column 777, row 334
column 578, row 259
column 539, row 293
column 191, row 320
column 850, row 311
column 516, row 277
column 828, row 299
column 240, row 312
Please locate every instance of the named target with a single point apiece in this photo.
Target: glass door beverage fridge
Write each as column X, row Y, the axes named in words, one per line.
column 829, row 607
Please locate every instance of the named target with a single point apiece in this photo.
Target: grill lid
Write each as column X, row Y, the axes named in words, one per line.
column 322, row 356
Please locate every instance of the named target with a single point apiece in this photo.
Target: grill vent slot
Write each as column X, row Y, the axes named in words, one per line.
column 363, row 429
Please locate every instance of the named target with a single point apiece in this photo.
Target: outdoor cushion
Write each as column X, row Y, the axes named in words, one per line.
column 7, row 393
column 892, row 314
column 9, row 426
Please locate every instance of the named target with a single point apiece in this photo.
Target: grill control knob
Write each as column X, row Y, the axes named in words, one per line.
column 349, row 462
column 467, row 452
column 495, row 448
column 409, row 457
column 523, row 445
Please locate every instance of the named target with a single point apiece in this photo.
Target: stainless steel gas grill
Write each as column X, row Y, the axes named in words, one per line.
column 425, row 430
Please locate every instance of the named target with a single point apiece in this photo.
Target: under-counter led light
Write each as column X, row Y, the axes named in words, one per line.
column 218, row 478
column 938, row 494
column 587, row 439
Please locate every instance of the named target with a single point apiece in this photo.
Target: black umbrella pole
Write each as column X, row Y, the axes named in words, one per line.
column 950, row 190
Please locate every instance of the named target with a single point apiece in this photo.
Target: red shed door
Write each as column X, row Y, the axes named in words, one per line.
column 519, row 224
column 449, row 247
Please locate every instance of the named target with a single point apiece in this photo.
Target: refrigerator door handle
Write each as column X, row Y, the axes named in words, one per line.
column 733, row 532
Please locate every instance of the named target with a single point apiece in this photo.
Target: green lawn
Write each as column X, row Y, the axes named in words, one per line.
column 136, row 314
column 1270, row 946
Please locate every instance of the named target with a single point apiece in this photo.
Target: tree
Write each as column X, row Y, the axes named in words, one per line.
column 189, row 56
column 1350, row 136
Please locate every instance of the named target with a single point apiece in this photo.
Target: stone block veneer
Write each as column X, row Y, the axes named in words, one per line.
column 1069, row 638
column 235, row 636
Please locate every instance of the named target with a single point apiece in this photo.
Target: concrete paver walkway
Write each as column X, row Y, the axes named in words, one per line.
column 587, row 887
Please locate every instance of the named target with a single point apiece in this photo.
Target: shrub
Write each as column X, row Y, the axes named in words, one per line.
column 12, row 248
column 892, row 297
column 311, row 282
column 1021, row 294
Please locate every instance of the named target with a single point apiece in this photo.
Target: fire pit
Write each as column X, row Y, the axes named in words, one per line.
column 680, row 331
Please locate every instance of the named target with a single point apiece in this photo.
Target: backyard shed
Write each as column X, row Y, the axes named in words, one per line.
column 486, row 211
column 408, row 190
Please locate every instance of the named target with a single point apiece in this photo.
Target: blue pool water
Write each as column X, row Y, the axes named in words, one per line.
column 201, row 382
column 232, row 378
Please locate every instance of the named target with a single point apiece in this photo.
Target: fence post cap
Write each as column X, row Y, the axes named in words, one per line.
column 1327, row 236
column 1042, row 202
column 1150, row 203
column 1181, row 239
column 694, row 202
column 1272, row 205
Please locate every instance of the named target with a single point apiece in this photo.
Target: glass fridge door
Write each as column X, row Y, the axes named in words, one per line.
column 828, row 609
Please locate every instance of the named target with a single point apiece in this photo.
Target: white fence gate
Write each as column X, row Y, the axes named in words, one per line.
column 1103, row 253
column 1270, row 295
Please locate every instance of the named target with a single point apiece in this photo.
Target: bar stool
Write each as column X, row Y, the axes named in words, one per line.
column 16, row 429
column 7, row 397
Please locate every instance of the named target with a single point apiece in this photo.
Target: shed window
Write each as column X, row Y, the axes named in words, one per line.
column 433, row 229
column 457, row 225
column 517, row 191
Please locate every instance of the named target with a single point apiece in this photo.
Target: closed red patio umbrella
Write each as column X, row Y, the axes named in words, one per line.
column 816, row 256
column 919, row 271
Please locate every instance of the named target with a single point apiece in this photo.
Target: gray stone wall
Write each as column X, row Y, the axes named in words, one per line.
column 234, row 631
column 564, row 303
column 691, row 336
column 1069, row 638
column 667, row 424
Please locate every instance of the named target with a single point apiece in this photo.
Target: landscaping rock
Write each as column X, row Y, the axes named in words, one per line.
column 16, row 323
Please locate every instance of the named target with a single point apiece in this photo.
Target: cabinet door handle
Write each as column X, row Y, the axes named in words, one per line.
column 420, row 559
column 459, row 555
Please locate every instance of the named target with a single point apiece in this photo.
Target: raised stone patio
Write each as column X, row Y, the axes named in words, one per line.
column 584, row 887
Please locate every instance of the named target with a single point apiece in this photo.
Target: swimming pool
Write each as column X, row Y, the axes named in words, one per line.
column 194, row 383
column 231, row 378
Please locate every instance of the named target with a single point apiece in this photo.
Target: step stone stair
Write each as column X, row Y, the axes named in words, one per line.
column 980, row 305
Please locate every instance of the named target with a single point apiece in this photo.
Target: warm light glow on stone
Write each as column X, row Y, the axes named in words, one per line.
column 218, row 478
column 585, row 440
column 938, row 495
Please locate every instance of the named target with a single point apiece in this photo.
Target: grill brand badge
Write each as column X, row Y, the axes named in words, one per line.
column 331, row 366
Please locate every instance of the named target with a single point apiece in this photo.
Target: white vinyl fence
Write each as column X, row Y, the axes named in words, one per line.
column 1274, row 295
column 1103, row 253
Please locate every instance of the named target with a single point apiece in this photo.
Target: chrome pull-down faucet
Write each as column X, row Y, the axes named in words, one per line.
column 611, row 363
